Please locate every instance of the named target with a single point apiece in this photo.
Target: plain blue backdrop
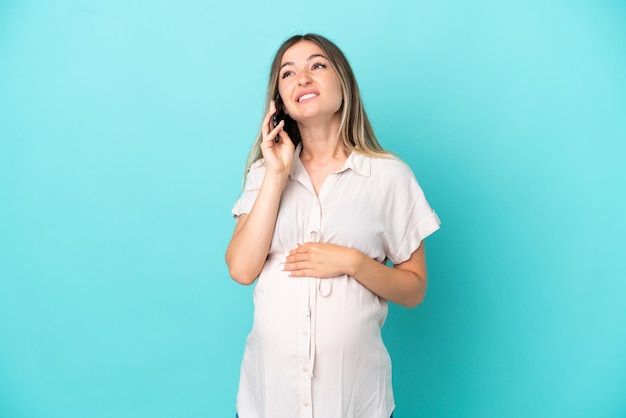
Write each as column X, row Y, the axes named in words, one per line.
column 124, row 127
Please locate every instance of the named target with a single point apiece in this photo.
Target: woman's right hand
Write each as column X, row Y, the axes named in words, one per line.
column 278, row 155
column 248, row 248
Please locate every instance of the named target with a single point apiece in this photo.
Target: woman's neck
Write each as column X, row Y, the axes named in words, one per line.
column 321, row 143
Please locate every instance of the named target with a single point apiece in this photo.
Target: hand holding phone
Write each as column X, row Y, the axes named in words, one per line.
column 278, row 115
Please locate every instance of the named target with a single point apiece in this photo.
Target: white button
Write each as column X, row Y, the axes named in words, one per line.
column 305, row 369
column 305, row 403
column 315, row 236
column 305, row 333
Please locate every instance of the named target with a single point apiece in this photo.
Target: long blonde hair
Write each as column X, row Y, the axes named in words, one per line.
column 355, row 130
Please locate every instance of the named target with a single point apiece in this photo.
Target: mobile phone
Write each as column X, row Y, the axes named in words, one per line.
column 278, row 115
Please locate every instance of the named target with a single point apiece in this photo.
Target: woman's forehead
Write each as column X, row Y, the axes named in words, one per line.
column 301, row 51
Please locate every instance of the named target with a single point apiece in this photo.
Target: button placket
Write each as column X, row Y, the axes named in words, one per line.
column 304, row 348
column 315, row 222
column 315, row 236
column 307, row 341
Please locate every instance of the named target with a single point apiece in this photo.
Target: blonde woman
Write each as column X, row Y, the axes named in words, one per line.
column 323, row 208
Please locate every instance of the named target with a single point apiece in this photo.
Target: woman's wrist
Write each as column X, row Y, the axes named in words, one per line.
column 356, row 260
column 276, row 178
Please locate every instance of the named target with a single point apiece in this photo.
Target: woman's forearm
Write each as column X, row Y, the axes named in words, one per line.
column 404, row 284
column 252, row 237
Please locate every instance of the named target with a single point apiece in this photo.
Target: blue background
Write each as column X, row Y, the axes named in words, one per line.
column 124, row 127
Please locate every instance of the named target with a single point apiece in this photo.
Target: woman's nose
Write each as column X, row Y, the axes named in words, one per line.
column 304, row 78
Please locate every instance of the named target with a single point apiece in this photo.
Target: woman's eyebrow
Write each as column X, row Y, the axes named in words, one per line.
column 308, row 59
column 316, row 56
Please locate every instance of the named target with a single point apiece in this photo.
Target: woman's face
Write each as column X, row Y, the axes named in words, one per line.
column 308, row 85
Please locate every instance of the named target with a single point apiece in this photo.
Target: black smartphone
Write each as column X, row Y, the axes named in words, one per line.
column 278, row 115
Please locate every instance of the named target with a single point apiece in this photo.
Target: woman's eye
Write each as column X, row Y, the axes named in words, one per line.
column 318, row 66
column 286, row 74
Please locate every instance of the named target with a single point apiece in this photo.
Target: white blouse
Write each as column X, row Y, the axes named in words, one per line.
column 315, row 349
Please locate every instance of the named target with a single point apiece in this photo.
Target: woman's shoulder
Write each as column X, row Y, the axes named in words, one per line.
column 390, row 165
column 257, row 164
column 257, row 168
column 255, row 174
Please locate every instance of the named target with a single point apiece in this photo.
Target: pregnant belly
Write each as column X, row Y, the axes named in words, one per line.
column 342, row 315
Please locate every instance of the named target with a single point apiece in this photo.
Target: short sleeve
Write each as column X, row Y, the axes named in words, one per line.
column 254, row 179
column 410, row 219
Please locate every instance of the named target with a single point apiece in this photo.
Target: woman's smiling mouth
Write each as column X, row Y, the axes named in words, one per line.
column 306, row 95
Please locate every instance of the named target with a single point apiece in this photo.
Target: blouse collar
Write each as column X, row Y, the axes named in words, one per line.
column 357, row 162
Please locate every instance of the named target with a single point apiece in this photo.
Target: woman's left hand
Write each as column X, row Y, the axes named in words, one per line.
column 404, row 283
column 320, row 259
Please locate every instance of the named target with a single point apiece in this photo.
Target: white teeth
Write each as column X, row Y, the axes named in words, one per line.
column 307, row 96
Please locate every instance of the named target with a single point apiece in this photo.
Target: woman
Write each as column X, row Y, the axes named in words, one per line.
column 324, row 207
